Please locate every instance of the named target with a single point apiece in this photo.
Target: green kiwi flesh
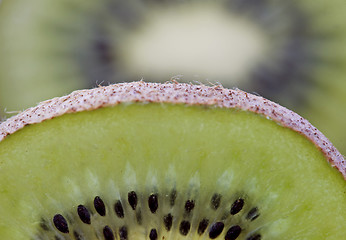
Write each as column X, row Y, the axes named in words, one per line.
column 202, row 154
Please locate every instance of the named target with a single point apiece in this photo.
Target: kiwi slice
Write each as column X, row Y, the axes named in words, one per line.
column 168, row 161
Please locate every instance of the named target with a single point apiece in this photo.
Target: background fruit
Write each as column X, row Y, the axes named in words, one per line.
column 291, row 52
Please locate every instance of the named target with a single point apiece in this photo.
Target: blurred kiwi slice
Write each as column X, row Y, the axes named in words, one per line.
column 168, row 161
column 289, row 51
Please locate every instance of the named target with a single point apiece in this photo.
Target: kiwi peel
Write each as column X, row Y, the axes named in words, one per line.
column 148, row 161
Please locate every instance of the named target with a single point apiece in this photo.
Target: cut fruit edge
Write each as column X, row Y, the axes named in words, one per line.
column 173, row 93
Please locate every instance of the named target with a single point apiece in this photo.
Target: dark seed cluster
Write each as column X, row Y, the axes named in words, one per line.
column 168, row 221
column 233, row 233
column 108, row 233
column 123, row 233
column 133, row 200
column 184, row 227
column 252, row 214
column 202, row 226
column 60, row 223
column 215, row 201
column 153, row 203
column 216, row 229
column 189, row 206
column 237, row 206
column 173, row 196
column 100, row 206
column 153, row 234
column 83, row 214
column 118, row 209
column 212, row 229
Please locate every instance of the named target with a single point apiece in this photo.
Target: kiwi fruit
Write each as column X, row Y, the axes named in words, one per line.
column 168, row 161
column 289, row 51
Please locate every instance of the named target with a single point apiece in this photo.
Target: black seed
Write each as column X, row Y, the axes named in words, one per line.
column 237, row 206
column 233, row 233
column 132, row 198
column 60, row 223
column 216, row 230
column 202, row 226
column 184, row 227
column 215, row 201
column 83, row 214
column 123, row 233
column 99, row 206
column 168, row 221
column 139, row 216
column 172, row 197
column 153, row 203
column 255, row 237
column 189, row 205
column 108, row 233
column 118, row 208
column 153, row 234
column 77, row 236
column 252, row 214
column 44, row 225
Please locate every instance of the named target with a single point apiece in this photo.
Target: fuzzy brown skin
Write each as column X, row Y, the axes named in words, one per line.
column 173, row 93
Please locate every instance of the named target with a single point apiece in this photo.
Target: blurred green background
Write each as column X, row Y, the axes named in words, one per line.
column 292, row 52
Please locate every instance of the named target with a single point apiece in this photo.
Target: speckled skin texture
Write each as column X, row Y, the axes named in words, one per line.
column 173, row 92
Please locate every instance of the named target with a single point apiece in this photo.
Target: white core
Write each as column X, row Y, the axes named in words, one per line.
column 206, row 41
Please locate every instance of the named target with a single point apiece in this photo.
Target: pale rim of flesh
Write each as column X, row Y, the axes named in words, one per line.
column 174, row 93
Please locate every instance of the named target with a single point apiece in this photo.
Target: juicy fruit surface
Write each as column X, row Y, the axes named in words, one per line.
column 52, row 167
